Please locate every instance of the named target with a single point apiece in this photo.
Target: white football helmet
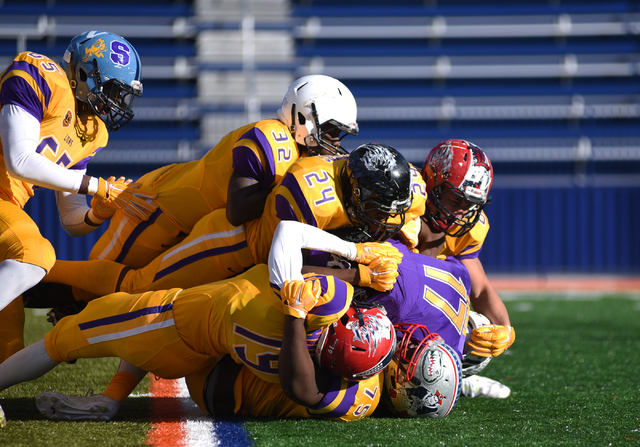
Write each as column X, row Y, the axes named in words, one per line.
column 424, row 378
column 473, row 364
column 319, row 111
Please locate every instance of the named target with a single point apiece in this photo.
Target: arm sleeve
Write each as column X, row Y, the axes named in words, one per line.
column 290, row 237
column 20, row 135
column 73, row 209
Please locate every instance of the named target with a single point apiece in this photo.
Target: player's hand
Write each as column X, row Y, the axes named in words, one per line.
column 121, row 195
column 491, row 340
column 409, row 232
column 299, row 297
column 367, row 252
column 380, row 275
column 101, row 209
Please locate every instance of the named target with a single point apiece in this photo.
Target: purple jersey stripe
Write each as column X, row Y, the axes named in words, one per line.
column 263, row 144
column 246, row 163
column 312, row 338
column 126, row 316
column 283, row 209
column 345, row 404
column 82, row 164
column 142, row 226
column 198, row 256
column 473, row 255
column 257, row 337
column 337, row 303
column 18, row 92
column 37, row 77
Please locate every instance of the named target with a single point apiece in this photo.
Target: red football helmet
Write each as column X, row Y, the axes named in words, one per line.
column 359, row 345
column 461, row 167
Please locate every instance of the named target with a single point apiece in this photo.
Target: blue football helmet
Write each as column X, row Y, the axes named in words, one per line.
column 104, row 72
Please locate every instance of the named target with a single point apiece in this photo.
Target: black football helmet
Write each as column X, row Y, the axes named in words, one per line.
column 377, row 190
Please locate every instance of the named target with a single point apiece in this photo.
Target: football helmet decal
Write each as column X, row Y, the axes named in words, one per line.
column 424, row 378
column 359, row 345
column 105, row 74
column 319, row 111
column 473, row 364
column 377, row 190
column 463, row 168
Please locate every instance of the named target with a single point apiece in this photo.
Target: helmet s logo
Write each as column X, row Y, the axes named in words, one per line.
column 120, row 53
column 95, row 50
column 66, row 121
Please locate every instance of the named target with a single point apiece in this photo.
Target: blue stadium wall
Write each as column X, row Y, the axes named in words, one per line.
column 533, row 231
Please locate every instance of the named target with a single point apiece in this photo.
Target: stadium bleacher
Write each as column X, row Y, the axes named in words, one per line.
column 548, row 88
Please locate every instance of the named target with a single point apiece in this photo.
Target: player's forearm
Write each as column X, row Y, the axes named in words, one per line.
column 295, row 366
column 488, row 303
column 75, row 214
column 290, row 237
column 347, row 275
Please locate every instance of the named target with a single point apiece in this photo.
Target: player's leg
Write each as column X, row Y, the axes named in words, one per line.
column 214, row 250
column 27, row 256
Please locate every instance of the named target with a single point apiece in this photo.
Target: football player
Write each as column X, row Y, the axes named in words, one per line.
column 54, row 118
column 265, row 319
column 459, row 175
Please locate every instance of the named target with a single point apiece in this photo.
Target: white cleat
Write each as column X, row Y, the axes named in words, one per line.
column 478, row 386
column 3, row 418
column 92, row 407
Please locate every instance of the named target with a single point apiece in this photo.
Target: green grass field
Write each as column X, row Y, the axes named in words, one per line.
column 573, row 371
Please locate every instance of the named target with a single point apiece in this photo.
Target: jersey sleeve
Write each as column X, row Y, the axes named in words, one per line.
column 24, row 85
column 348, row 400
column 262, row 149
column 468, row 246
column 309, row 193
column 419, row 195
column 335, row 299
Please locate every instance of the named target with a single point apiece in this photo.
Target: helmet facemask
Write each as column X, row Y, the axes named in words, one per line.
column 324, row 136
column 445, row 219
column 112, row 100
column 376, row 216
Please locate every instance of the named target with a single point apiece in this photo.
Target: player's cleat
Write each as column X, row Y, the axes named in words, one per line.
column 478, row 386
column 92, row 407
column 3, row 418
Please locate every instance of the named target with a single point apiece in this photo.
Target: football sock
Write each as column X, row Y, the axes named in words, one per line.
column 122, row 384
column 27, row 364
column 98, row 276
column 15, row 278
column 11, row 329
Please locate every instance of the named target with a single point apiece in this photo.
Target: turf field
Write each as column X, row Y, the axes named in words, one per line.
column 574, row 372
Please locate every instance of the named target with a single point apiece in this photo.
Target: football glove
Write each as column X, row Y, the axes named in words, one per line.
column 120, row 195
column 99, row 208
column 367, row 252
column 491, row 340
column 409, row 234
column 380, row 275
column 299, row 297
